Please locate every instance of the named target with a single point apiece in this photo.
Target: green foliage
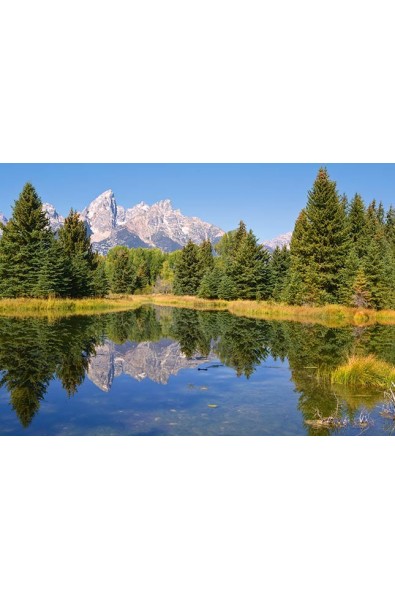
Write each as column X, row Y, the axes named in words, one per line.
column 279, row 270
column 209, row 285
column 205, row 255
column 164, row 282
column 347, row 277
column 100, row 282
column 379, row 268
column 250, row 268
column 361, row 295
column 227, row 289
column 356, row 225
column 55, row 274
column 121, row 271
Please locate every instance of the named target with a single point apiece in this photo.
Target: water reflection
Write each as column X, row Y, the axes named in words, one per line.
column 157, row 343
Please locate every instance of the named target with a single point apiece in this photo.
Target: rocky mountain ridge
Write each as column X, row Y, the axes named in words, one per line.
column 142, row 226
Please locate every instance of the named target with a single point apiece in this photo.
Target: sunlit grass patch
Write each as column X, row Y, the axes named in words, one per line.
column 26, row 307
column 364, row 371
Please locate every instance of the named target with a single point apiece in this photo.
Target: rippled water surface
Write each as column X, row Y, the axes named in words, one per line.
column 163, row 371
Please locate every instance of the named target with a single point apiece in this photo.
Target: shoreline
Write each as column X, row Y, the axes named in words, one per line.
column 329, row 315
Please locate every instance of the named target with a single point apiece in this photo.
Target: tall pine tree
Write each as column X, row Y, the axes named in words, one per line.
column 323, row 244
column 250, row 269
column 24, row 245
column 188, row 273
column 75, row 244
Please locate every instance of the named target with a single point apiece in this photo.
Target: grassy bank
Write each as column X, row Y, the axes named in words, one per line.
column 28, row 307
column 330, row 315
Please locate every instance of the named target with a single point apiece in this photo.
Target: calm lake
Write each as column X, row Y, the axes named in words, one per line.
column 165, row 371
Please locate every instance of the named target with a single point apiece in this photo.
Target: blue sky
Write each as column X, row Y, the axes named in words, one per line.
column 268, row 197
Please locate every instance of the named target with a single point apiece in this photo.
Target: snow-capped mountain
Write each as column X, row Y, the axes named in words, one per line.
column 279, row 241
column 155, row 226
column 56, row 220
column 141, row 226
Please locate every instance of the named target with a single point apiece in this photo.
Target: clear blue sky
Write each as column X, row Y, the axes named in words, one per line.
column 268, row 197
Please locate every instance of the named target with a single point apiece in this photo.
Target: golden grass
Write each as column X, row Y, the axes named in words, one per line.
column 364, row 371
column 185, row 302
column 27, row 307
column 329, row 315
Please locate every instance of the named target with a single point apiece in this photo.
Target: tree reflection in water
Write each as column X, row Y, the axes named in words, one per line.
column 34, row 351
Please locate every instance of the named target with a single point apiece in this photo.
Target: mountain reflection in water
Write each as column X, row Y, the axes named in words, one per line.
column 161, row 355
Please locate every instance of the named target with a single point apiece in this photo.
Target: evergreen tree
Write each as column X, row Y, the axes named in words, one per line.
column 75, row 244
column 373, row 227
column 228, row 247
column 55, row 277
column 301, row 282
column 379, row 270
column 279, row 269
column 356, row 223
column 250, row 269
column 239, row 237
column 381, row 213
column 206, row 258
column 122, row 272
column 323, row 244
column 24, row 245
column 188, row 273
column 347, row 277
column 100, row 282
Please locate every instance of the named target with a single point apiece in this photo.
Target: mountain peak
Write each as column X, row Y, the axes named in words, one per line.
column 101, row 215
column 278, row 242
column 55, row 220
column 166, row 204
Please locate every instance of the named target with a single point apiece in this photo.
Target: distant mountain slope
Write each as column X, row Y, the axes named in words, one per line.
column 279, row 241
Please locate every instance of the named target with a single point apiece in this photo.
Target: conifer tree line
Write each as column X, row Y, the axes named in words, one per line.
column 342, row 252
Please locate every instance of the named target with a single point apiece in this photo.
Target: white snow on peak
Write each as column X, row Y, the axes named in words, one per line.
column 281, row 240
column 163, row 203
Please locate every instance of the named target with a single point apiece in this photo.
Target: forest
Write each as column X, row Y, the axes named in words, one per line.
column 342, row 252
